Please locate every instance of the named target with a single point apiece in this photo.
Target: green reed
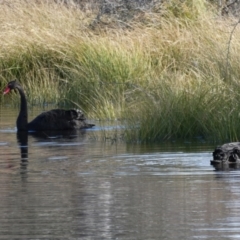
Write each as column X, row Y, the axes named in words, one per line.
column 170, row 76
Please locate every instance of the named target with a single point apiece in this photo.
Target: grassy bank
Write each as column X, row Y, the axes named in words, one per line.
column 168, row 74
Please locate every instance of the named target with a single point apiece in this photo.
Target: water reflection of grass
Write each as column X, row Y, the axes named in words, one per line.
column 166, row 73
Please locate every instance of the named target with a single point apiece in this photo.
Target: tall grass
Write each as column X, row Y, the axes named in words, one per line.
column 166, row 74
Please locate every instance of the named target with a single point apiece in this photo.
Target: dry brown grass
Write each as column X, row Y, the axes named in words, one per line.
column 165, row 71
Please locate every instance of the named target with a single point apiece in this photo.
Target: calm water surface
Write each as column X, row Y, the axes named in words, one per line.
column 80, row 187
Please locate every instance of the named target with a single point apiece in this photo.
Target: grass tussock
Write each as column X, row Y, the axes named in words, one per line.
column 169, row 73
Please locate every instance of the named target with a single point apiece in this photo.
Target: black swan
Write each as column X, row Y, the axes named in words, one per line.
column 56, row 119
column 227, row 153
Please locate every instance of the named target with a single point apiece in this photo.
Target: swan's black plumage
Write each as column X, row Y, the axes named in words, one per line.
column 227, row 153
column 56, row 119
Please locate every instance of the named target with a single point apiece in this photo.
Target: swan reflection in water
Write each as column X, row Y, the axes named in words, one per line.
column 226, row 166
column 22, row 138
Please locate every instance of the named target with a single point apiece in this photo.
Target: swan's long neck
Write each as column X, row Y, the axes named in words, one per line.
column 22, row 119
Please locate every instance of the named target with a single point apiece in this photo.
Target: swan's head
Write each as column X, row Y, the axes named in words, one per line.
column 11, row 85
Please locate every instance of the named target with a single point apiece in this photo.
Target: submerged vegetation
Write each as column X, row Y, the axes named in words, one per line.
column 171, row 72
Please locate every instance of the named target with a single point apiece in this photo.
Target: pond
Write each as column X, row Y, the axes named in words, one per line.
column 83, row 187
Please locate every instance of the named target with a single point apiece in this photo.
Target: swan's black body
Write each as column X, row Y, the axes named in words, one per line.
column 227, row 153
column 56, row 119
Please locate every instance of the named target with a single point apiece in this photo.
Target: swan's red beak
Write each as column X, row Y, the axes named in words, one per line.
column 7, row 90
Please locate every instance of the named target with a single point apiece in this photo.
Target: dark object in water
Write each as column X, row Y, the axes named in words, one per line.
column 56, row 119
column 227, row 153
